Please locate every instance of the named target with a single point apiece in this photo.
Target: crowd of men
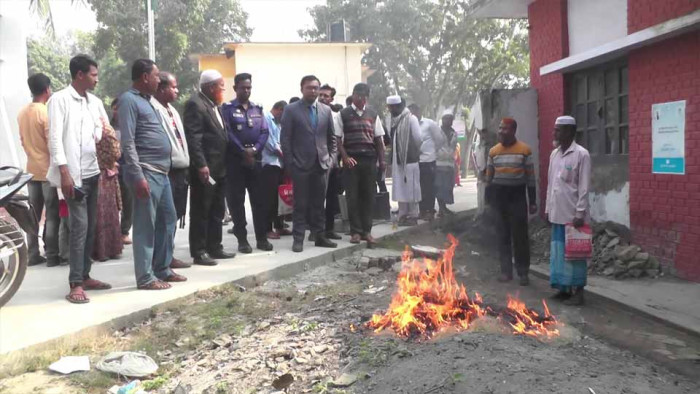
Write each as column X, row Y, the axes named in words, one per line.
column 216, row 152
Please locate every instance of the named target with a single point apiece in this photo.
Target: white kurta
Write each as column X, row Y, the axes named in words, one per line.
column 406, row 179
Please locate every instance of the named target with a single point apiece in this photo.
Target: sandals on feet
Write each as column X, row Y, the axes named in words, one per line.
column 155, row 285
column 77, row 295
column 175, row 278
column 94, row 284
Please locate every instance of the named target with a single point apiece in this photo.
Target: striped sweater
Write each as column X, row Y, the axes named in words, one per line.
column 512, row 166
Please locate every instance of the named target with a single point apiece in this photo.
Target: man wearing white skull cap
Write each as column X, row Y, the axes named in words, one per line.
column 567, row 203
column 406, row 141
column 207, row 141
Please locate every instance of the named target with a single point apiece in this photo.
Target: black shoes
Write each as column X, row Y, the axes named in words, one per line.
column 53, row 262
column 312, row 237
column 37, row 261
column 244, row 247
column 204, row 259
column 222, row 255
column 323, row 242
column 524, row 281
column 264, row 245
column 298, row 246
column 333, row 235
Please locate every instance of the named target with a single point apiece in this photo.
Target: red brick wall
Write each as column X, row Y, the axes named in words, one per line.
column 549, row 42
column 645, row 13
column 665, row 209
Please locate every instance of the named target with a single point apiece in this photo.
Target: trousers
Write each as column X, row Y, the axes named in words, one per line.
column 427, row 187
column 154, row 230
column 510, row 203
column 309, row 196
column 360, row 191
column 43, row 195
column 207, row 207
column 83, row 216
column 239, row 179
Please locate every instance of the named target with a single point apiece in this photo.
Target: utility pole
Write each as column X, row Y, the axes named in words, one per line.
column 151, row 31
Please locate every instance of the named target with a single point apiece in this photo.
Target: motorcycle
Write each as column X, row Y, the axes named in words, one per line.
column 13, row 247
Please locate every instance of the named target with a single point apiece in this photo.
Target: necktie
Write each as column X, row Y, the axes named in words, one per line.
column 312, row 115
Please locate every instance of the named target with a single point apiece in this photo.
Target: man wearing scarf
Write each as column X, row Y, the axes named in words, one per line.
column 406, row 141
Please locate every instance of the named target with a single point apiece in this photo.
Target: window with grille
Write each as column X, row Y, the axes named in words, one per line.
column 599, row 101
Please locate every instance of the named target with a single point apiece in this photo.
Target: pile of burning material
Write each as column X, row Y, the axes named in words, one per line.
column 429, row 299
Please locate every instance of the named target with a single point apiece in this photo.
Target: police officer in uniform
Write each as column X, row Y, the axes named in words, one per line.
column 247, row 131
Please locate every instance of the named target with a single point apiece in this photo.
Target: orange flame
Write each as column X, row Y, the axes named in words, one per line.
column 429, row 299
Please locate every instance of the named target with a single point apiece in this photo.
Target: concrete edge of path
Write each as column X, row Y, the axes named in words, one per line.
column 605, row 295
column 250, row 281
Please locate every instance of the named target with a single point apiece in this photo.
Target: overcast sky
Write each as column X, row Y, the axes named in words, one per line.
column 271, row 20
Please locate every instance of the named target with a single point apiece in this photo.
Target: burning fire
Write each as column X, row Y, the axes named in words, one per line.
column 429, row 299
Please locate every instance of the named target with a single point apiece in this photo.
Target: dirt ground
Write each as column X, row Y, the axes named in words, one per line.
column 296, row 335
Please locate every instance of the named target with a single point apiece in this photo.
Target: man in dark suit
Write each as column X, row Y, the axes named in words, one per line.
column 308, row 144
column 207, row 142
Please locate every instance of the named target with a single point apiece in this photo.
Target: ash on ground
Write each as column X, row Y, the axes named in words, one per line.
column 307, row 346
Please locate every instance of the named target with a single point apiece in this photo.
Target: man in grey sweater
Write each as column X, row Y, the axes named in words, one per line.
column 147, row 160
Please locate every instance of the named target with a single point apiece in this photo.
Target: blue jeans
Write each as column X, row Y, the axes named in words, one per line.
column 154, row 230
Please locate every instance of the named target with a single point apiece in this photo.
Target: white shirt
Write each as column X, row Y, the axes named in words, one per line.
column 431, row 136
column 75, row 125
column 173, row 126
column 568, row 183
column 378, row 129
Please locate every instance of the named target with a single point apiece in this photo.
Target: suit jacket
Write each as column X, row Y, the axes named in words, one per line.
column 303, row 145
column 206, row 137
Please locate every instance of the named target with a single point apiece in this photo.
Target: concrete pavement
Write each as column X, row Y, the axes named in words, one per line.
column 669, row 300
column 39, row 312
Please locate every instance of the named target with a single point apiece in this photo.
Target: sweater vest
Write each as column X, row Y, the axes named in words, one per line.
column 358, row 132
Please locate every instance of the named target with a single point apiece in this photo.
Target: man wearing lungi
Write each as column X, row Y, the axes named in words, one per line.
column 567, row 202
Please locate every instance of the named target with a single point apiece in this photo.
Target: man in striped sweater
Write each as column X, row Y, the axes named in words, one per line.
column 510, row 172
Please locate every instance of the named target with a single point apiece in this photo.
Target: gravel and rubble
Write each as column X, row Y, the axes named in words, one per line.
column 614, row 255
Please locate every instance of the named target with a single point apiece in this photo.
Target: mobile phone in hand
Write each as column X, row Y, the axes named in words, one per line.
column 78, row 194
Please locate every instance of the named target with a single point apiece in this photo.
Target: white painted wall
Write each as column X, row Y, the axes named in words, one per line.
column 595, row 22
column 14, row 93
column 277, row 69
column 613, row 206
column 519, row 104
column 522, row 106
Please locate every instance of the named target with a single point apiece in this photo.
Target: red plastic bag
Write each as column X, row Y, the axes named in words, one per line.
column 285, row 193
column 62, row 208
column 578, row 242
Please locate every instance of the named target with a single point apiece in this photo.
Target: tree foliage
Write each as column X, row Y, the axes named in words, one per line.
column 182, row 28
column 51, row 55
column 430, row 51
